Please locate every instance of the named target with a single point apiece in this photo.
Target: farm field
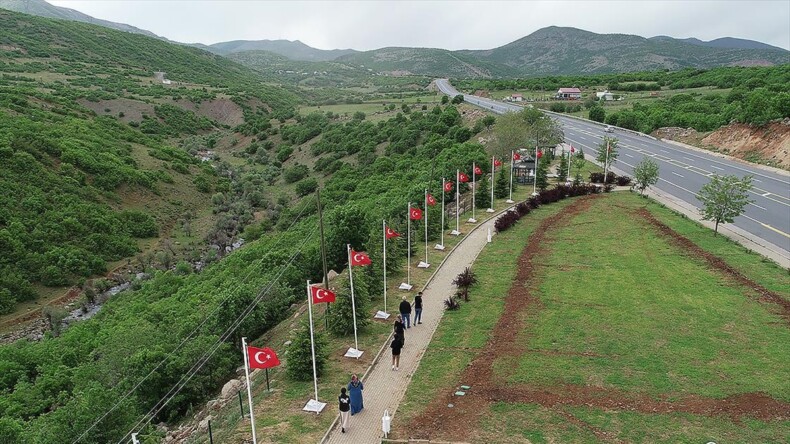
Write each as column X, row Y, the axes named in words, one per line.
column 610, row 318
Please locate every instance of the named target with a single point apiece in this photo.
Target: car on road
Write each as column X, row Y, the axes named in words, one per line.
column 608, row 129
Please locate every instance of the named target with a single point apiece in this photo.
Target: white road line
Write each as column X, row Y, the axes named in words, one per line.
column 764, row 209
column 766, row 194
column 690, row 160
column 757, row 180
column 714, row 166
column 676, row 174
column 626, row 154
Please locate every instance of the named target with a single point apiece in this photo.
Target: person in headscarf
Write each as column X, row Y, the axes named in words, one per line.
column 355, row 388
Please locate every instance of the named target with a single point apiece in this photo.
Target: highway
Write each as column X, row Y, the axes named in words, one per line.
column 682, row 171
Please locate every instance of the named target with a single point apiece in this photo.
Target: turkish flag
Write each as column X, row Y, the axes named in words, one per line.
column 448, row 186
column 415, row 213
column 262, row 357
column 359, row 258
column 321, row 295
column 463, row 177
column 390, row 233
column 497, row 162
column 516, row 156
column 540, row 154
column 478, row 170
column 573, row 150
column 431, row 200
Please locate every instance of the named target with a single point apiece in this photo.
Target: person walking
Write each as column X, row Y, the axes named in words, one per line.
column 418, row 309
column 355, row 388
column 396, row 346
column 344, row 406
column 398, row 326
column 405, row 311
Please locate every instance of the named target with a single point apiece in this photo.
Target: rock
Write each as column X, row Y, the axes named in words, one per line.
column 230, row 388
column 287, row 343
column 214, row 404
column 204, row 424
column 240, row 371
column 331, row 274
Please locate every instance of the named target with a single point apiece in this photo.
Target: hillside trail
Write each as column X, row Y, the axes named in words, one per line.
column 384, row 388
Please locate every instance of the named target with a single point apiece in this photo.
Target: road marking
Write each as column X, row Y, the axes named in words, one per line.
column 626, row 154
column 766, row 194
column 690, row 160
column 764, row 209
column 676, row 174
column 756, row 180
column 714, row 166
column 767, row 226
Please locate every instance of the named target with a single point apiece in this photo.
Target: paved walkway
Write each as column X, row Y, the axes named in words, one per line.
column 384, row 388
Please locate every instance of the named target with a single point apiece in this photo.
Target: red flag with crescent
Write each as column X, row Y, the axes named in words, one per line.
column 463, row 177
column 448, row 186
column 321, row 295
column 262, row 357
column 390, row 233
column 359, row 258
column 516, row 156
column 431, row 200
column 478, row 170
column 573, row 150
column 497, row 162
column 540, row 154
column 415, row 213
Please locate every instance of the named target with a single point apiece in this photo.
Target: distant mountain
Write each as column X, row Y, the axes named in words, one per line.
column 43, row 9
column 294, row 50
column 724, row 42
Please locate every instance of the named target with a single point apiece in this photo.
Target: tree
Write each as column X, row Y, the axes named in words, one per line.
column 525, row 129
column 488, row 121
column 542, row 174
column 299, row 364
column 724, row 198
column 597, row 114
column 458, row 99
column 445, row 100
column 501, row 185
column 645, row 174
column 602, row 158
column 482, row 194
column 562, row 169
column 341, row 316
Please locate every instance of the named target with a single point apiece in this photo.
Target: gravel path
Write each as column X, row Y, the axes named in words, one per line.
column 384, row 388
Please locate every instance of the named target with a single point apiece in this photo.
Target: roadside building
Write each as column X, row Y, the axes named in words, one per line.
column 516, row 98
column 569, row 94
column 606, row 95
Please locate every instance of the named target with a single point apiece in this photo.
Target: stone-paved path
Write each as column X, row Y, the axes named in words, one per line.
column 384, row 388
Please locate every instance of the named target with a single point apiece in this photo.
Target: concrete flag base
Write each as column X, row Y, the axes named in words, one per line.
column 314, row 406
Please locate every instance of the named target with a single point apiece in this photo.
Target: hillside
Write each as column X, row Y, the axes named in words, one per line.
column 559, row 50
column 101, row 155
column 294, row 50
column 724, row 42
column 43, row 9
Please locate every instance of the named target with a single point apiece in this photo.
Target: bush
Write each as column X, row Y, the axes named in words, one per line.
column 299, row 364
column 295, row 173
column 598, row 177
column 7, row 302
column 306, row 187
column 139, row 224
column 451, row 303
column 623, row 181
column 509, row 218
column 463, row 281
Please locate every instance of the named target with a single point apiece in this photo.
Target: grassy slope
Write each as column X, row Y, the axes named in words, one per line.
column 688, row 332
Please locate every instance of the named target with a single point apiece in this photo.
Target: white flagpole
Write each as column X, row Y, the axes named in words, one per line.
column 443, row 193
column 474, row 190
column 493, row 168
column 426, row 226
column 249, row 386
column 606, row 164
column 457, row 200
column 408, row 245
column 512, row 161
column 535, row 176
column 570, row 155
column 312, row 339
column 353, row 303
column 384, row 228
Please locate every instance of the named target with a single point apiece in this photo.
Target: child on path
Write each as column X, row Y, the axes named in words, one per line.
column 396, row 345
column 355, row 388
column 405, row 311
column 344, row 406
column 418, row 308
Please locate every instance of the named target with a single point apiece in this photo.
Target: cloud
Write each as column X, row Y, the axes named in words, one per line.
column 367, row 25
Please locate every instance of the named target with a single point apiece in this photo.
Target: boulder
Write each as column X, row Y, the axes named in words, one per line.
column 230, row 388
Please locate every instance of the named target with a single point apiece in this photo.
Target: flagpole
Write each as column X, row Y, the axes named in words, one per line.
column 408, row 245
column 249, row 386
column 474, row 190
column 323, row 251
column 457, row 200
column 535, row 176
column 512, row 161
column 353, row 303
column 570, row 154
column 312, row 340
column 493, row 168
column 443, row 193
column 384, row 228
column 426, row 226
column 606, row 164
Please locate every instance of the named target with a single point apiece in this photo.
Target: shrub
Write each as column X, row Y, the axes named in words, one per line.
column 295, row 173
column 299, row 365
column 451, row 303
column 623, row 181
column 7, row 301
column 463, row 281
column 306, row 187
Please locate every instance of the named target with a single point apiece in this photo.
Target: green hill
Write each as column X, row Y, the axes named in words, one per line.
column 88, row 144
column 294, row 50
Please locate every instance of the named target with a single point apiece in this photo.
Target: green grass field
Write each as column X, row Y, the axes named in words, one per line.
column 624, row 313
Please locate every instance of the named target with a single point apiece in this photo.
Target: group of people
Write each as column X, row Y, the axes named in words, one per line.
column 350, row 399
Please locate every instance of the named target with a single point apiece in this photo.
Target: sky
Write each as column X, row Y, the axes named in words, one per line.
column 365, row 25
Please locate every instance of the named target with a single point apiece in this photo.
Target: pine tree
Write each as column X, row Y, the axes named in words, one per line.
column 483, row 194
column 502, row 185
column 299, row 363
column 562, row 169
column 541, row 176
column 341, row 316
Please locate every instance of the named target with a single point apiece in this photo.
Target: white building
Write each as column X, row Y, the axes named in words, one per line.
column 606, row 95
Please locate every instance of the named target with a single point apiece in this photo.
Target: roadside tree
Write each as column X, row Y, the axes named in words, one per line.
column 645, row 174
column 724, row 198
column 605, row 160
column 597, row 113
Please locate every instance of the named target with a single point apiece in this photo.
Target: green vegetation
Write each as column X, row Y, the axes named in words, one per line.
column 724, row 198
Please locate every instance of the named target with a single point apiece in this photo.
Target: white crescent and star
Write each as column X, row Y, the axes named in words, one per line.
column 358, row 257
column 320, row 294
column 258, row 359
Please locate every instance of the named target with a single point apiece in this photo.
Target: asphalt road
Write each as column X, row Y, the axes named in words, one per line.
column 682, row 171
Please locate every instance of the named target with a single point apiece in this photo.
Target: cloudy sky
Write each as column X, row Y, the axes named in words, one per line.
column 364, row 25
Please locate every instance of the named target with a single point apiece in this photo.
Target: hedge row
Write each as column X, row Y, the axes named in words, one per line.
column 509, row 218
